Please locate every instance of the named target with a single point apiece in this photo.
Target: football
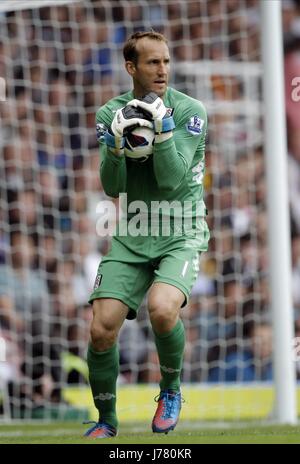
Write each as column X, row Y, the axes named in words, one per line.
column 139, row 143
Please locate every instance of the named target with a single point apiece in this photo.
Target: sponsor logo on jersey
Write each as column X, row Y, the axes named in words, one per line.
column 194, row 125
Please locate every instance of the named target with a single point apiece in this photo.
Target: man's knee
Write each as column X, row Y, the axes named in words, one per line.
column 163, row 314
column 103, row 335
column 164, row 305
column 108, row 317
column 160, row 309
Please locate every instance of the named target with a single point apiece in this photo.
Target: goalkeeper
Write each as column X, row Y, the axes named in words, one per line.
column 166, row 265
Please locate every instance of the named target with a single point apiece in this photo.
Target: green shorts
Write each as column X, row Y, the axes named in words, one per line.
column 134, row 263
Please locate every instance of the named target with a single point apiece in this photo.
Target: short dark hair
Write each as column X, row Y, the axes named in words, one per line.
column 129, row 50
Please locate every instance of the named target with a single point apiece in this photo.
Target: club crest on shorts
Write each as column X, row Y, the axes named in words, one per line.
column 194, row 125
column 97, row 281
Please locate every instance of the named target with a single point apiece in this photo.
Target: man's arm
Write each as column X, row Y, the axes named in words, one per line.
column 113, row 172
column 111, row 135
column 172, row 158
column 174, row 151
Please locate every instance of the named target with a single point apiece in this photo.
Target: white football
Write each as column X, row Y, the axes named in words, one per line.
column 139, row 143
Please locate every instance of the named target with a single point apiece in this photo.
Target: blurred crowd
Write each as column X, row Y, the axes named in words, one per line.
column 60, row 64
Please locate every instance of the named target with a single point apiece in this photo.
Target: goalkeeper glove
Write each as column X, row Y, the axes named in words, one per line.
column 154, row 108
column 125, row 120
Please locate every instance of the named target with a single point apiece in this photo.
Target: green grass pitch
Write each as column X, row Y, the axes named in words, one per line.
column 140, row 433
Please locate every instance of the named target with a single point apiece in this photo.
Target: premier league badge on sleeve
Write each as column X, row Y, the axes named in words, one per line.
column 194, row 125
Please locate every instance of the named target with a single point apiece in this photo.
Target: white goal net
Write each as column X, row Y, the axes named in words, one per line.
column 60, row 63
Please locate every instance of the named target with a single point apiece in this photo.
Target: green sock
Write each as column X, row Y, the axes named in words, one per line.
column 170, row 349
column 103, row 372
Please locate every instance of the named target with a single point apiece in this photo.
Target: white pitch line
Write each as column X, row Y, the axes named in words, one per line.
column 186, row 426
column 39, row 433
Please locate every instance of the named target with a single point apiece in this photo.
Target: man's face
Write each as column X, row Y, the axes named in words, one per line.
column 151, row 73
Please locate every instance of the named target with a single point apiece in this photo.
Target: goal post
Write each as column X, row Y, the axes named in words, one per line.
column 15, row 5
column 278, row 212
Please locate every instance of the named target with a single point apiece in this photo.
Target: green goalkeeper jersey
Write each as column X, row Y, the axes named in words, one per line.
column 171, row 179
